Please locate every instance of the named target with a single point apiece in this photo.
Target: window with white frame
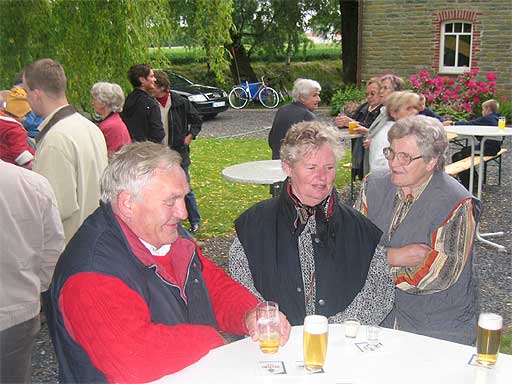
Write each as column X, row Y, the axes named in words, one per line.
column 456, row 40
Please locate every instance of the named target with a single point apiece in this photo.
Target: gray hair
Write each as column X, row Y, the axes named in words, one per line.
column 110, row 94
column 308, row 136
column 132, row 167
column 430, row 137
column 303, row 88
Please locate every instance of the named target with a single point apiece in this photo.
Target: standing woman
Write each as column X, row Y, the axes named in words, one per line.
column 108, row 100
column 365, row 115
column 306, row 97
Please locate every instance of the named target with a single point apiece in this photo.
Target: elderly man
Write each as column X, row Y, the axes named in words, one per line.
column 428, row 220
column 71, row 150
column 133, row 299
column 31, row 242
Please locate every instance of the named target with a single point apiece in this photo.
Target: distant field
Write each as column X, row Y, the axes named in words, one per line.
column 184, row 55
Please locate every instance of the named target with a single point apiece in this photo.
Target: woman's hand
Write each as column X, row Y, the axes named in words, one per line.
column 342, row 121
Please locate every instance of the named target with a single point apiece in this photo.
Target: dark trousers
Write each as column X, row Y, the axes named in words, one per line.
column 190, row 201
column 16, row 344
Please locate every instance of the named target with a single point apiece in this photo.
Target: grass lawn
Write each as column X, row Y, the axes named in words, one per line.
column 220, row 201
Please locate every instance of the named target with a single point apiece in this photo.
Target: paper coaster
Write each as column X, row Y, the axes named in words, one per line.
column 269, row 368
column 365, row 347
column 474, row 362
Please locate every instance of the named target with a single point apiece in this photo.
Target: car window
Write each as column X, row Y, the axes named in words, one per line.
column 177, row 80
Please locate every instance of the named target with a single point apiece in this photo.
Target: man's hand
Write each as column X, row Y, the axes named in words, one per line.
column 252, row 327
column 410, row 255
column 361, row 130
column 366, row 143
column 188, row 139
column 342, row 120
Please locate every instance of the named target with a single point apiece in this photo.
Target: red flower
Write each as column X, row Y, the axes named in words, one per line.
column 491, row 76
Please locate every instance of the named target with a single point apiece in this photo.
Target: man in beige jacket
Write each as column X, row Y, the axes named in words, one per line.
column 71, row 150
column 31, row 241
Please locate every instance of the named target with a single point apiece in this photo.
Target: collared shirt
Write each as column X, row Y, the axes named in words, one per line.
column 162, row 251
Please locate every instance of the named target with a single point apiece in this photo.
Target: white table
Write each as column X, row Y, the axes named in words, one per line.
column 255, row 172
column 487, row 132
column 404, row 357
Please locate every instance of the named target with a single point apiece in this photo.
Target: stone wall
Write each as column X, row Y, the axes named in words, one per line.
column 402, row 36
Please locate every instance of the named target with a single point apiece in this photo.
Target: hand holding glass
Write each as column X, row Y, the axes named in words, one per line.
column 316, row 330
column 267, row 319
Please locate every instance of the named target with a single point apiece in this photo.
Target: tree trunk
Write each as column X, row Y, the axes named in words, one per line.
column 240, row 64
column 349, row 23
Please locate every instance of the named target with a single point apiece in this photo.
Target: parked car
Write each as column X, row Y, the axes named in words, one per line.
column 209, row 101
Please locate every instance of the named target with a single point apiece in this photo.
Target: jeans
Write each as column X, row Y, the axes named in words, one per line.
column 190, row 201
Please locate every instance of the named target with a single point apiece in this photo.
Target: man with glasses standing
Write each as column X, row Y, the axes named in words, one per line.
column 428, row 222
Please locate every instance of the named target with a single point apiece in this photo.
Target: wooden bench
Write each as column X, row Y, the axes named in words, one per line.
column 465, row 164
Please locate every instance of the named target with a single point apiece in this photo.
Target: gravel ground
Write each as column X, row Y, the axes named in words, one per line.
column 495, row 268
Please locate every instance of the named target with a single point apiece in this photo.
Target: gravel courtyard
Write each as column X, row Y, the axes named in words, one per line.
column 495, row 268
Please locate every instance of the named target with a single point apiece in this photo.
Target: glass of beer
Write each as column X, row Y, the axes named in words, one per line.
column 352, row 125
column 267, row 319
column 488, row 338
column 502, row 121
column 316, row 330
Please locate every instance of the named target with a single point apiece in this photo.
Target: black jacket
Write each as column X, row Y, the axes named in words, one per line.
column 141, row 114
column 183, row 120
column 343, row 249
column 285, row 117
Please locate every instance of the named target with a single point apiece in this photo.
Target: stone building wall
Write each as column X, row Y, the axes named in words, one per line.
column 403, row 36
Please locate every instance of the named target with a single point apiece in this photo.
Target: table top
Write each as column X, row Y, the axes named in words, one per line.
column 478, row 130
column 255, row 172
column 402, row 355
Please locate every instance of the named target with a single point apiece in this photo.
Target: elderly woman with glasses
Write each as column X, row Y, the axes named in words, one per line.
column 306, row 250
column 428, row 222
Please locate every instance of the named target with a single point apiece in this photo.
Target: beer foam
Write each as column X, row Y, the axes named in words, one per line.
column 315, row 324
column 490, row 321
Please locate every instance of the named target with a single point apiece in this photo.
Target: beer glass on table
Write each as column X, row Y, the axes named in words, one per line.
column 316, row 330
column 267, row 319
column 502, row 121
column 488, row 338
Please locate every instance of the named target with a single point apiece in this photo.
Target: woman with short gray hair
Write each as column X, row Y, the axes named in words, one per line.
column 428, row 220
column 108, row 100
column 305, row 249
column 306, row 97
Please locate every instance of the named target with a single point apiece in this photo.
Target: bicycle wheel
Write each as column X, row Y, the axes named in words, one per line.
column 283, row 93
column 268, row 97
column 238, row 98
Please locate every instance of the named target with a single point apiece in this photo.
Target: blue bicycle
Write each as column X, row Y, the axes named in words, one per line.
column 241, row 94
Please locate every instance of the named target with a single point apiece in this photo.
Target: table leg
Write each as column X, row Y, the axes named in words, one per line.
column 480, row 236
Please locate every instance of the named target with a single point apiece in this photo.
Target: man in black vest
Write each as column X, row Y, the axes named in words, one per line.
column 132, row 298
column 141, row 113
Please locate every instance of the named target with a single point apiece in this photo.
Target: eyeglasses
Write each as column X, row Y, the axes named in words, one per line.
column 403, row 158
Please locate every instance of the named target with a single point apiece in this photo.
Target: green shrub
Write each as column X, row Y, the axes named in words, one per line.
column 506, row 109
column 348, row 94
column 449, row 112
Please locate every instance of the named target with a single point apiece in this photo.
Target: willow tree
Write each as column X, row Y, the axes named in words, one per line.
column 95, row 40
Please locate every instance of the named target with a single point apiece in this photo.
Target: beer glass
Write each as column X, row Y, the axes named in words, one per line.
column 352, row 125
column 502, row 121
column 316, row 330
column 488, row 338
column 267, row 319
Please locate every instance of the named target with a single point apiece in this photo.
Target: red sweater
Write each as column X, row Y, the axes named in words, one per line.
column 14, row 142
column 115, row 132
column 112, row 323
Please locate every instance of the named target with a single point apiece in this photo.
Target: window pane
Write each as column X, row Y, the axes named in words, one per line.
column 464, row 50
column 448, row 27
column 467, row 28
column 458, row 27
column 449, row 51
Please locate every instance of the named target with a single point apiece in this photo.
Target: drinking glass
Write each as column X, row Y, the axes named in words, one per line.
column 372, row 334
column 267, row 319
column 316, row 331
column 352, row 125
column 502, row 121
column 351, row 328
column 488, row 338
